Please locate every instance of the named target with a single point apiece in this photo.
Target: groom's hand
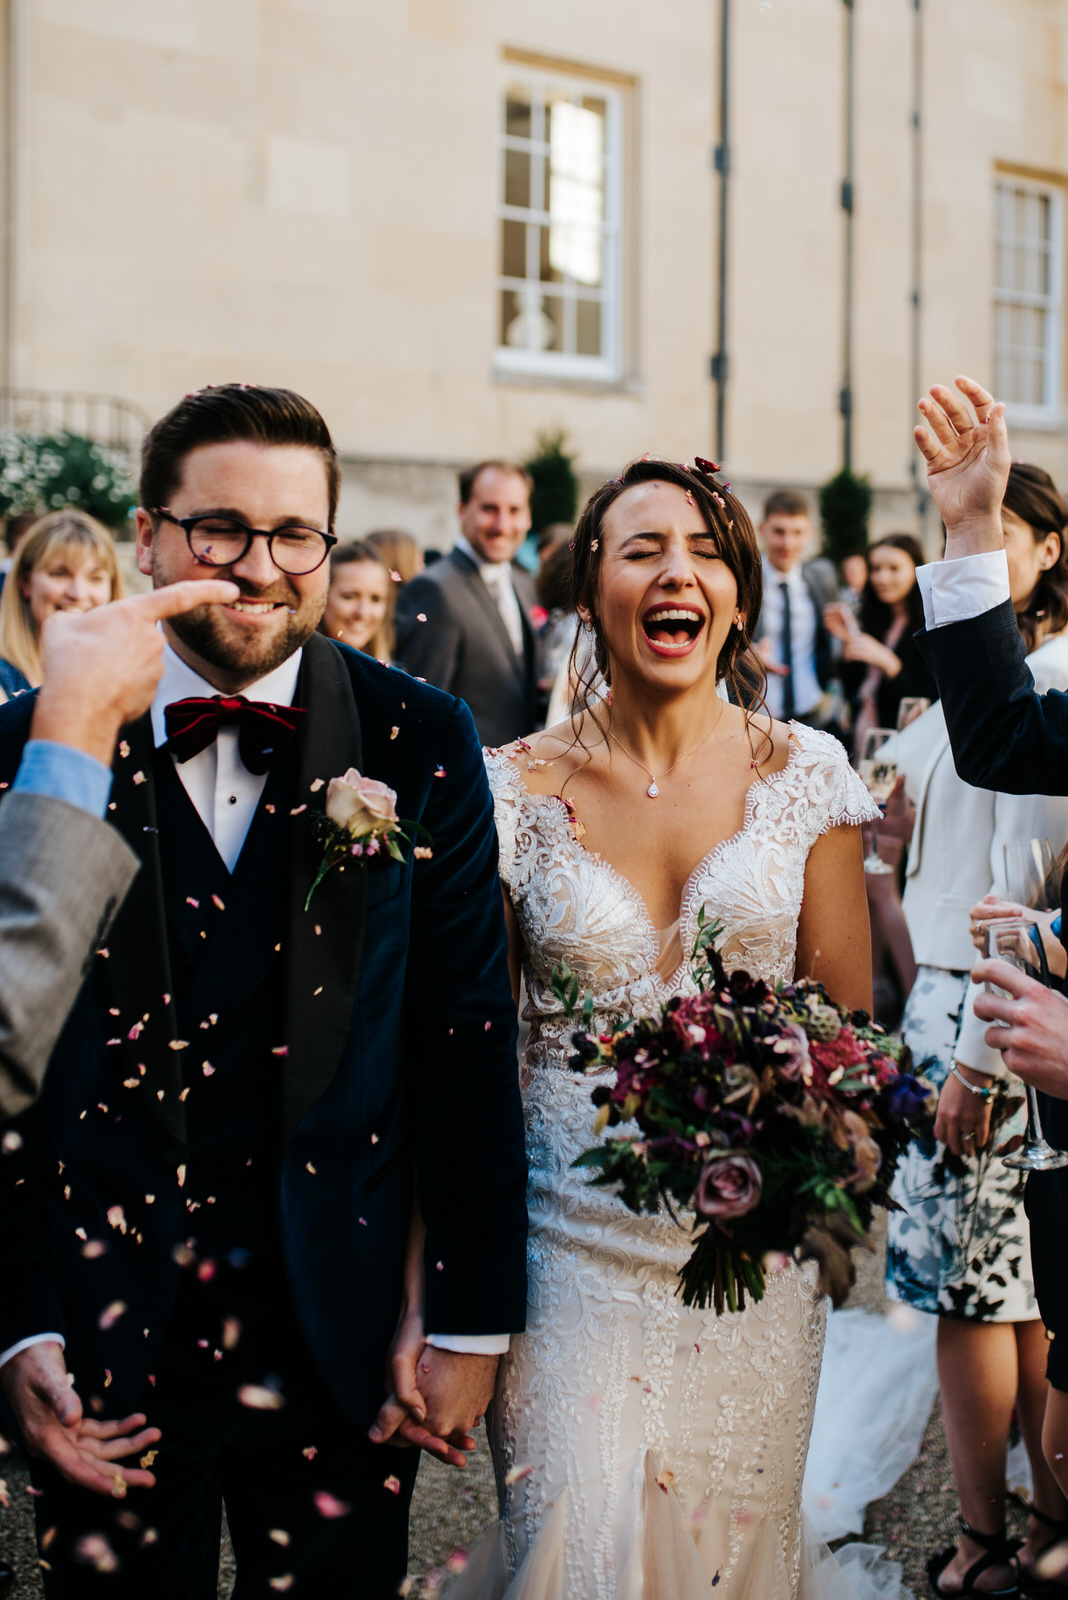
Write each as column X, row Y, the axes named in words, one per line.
column 54, row 1427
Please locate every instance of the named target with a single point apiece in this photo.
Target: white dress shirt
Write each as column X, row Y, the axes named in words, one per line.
column 497, row 576
column 803, row 620
column 955, row 591
column 226, row 795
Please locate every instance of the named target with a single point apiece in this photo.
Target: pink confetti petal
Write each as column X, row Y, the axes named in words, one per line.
column 327, row 1506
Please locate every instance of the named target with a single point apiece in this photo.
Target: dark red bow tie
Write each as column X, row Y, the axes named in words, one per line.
column 263, row 730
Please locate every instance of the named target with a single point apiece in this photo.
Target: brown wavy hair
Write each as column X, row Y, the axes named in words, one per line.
column 1034, row 497
column 728, row 520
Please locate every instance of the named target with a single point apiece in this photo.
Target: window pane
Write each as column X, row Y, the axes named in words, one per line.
column 552, row 310
column 527, row 321
column 548, row 269
column 517, row 178
column 517, row 110
column 576, row 191
column 588, row 327
column 513, row 249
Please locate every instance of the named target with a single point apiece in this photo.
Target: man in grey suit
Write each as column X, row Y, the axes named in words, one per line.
column 63, row 870
column 790, row 635
column 464, row 624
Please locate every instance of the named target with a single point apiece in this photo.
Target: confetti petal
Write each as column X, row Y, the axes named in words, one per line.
column 327, row 1506
column 111, row 1314
column 258, row 1398
column 393, row 1485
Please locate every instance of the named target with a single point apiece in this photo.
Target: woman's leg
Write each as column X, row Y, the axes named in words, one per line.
column 977, row 1373
column 1032, row 1397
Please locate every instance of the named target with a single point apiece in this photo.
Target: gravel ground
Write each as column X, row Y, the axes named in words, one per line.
column 451, row 1508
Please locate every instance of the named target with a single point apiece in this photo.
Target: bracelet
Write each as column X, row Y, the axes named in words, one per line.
column 973, row 1088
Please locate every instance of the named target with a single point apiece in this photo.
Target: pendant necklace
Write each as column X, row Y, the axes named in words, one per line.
column 654, row 784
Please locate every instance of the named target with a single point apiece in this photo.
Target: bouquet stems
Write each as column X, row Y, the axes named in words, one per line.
column 718, row 1274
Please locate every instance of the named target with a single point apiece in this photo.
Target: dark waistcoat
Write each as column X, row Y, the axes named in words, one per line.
column 225, row 935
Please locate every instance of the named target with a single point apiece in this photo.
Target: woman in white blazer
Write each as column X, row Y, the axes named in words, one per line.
column 960, row 1247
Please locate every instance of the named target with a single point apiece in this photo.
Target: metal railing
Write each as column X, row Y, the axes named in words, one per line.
column 106, row 418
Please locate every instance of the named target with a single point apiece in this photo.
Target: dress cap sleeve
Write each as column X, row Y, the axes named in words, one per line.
column 508, row 791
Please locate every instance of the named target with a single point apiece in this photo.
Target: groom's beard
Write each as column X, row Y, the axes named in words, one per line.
column 251, row 652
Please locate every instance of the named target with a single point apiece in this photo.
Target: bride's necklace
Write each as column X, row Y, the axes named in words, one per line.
column 654, row 782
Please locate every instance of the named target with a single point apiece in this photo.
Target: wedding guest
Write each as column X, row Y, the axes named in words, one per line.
column 961, row 1246
column 853, row 570
column 464, row 624
column 791, row 637
column 402, row 553
column 882, row 662
column 360, row 602
column 66, row 562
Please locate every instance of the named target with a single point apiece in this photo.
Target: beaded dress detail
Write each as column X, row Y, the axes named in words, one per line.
column 666, row 1445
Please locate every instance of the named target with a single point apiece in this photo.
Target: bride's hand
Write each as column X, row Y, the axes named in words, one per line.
column 967, row 455
column 402, row 1414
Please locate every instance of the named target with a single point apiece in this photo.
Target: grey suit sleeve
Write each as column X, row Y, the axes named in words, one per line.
column 428, row 648
column 63, row 874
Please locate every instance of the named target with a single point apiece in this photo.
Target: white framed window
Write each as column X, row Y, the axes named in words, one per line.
column 559, row 309
column 1028, row 300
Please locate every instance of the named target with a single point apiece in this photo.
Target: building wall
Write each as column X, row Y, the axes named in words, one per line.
column 305, row 192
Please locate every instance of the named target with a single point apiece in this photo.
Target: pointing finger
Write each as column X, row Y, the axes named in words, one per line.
column 176, row 598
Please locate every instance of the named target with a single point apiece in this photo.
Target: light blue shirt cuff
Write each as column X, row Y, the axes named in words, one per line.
column 61, row 772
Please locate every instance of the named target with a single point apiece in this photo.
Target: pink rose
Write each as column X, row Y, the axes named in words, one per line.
column 792, row 1052
column 729, row 1186
column 361, row 805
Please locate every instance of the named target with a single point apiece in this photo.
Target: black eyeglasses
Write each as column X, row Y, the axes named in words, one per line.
column 217, row 541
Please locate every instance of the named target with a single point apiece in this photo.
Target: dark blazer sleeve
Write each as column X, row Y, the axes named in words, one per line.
column 63, row 874
column 462, row 1065
column 429, row 648
column 1004, row 735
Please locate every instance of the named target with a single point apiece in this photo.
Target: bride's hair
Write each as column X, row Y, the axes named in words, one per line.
column 726, row 517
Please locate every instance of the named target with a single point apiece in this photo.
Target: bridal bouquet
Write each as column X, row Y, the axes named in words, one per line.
column 775, row 1115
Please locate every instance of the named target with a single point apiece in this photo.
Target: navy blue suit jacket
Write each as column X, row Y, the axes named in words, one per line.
column 401, row 1055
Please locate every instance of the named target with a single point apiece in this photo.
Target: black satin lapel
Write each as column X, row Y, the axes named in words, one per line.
column 136, row 972
column 325, row 942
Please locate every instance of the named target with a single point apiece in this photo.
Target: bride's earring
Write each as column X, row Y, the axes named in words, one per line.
column 739, row 622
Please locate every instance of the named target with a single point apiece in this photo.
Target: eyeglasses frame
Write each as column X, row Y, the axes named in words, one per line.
column 187, row 525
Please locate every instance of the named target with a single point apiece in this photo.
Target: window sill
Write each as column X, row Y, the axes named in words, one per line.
column 575, row 383
column 1034, row 419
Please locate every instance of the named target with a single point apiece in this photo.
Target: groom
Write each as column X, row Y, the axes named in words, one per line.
column 206, row 1220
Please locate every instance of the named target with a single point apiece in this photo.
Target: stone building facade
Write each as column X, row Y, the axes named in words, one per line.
column 457, row 223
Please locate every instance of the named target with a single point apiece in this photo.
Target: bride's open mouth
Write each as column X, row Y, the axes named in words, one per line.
column 673, row 630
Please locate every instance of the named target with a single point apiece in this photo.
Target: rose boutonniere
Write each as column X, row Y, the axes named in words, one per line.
column 359, row 823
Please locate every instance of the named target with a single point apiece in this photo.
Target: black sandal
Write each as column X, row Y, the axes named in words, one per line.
column 1030, row 1582
column 998, row 1551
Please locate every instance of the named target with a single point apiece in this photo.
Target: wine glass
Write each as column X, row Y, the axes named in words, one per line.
column 911, row 707
column 1028, row 870
column 879, row 774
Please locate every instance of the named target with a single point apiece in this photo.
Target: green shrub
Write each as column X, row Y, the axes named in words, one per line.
column 554, row 497
column 845, row 511
column 45, row 472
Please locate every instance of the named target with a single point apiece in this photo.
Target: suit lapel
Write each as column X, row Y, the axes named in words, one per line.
column 325, row 942
column 136, row 973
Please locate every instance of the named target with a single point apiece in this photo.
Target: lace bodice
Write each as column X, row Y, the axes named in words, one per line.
column 574, row 909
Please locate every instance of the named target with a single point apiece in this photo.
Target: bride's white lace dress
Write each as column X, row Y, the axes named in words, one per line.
column 646, row 1451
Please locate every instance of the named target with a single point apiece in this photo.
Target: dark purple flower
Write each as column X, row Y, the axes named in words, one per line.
column 910, row 1099
column 728, row 1187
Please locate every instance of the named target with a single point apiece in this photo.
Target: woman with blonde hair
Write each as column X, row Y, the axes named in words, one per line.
column 360, row 601
column 66, row 562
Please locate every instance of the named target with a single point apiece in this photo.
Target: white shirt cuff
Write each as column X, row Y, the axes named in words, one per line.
column 954, row 591
column 35, row 1338
column 471, row 1344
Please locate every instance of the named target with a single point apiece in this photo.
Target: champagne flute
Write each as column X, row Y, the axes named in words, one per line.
column 880, row 775
column 1028, row 867
column 911, row 707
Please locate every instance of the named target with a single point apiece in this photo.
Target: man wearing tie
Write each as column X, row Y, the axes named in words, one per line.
column 206, row 1214
column 464, row 624
column 790, row 636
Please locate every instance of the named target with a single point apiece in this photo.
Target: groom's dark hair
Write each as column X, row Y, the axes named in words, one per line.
column 229, row 413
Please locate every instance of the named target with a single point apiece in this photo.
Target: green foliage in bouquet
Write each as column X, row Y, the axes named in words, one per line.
column 773, row 1114
column 45, row 472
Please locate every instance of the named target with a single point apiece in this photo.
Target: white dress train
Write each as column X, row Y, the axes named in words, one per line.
column 645, row 1450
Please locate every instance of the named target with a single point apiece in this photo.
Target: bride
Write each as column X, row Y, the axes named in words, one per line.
column 646, row 1451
